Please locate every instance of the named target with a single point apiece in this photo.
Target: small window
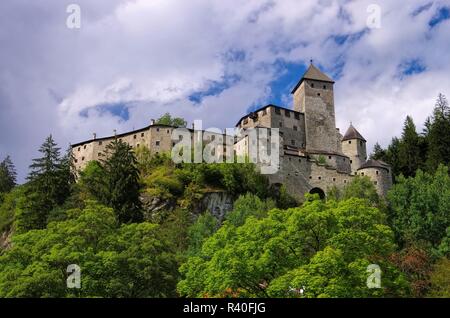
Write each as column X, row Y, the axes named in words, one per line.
column 99, row 154
column 360, row 143
column 287, row 113
column 297, row 116
column 375, row 182
column 281, row 124
column 349, row 141
column 299, row 160
column 157, row 129
column 137, row 145
column 82, row 158
column 324, row 86
column 277, row 111
column 310, row 177
column 318, row 94
column 293, row 142
column 295, row 128
column 345, row 181
column 142, row 134
column 312, row 85
column 334, row 179
column 158, row 142
column 168, row 131
column 329, row 157
column 173, row 144
column 377, row 172
column 320, row 178
column 135, row 136
column 84, row 147
column 100, row 143
column 79, row 148
column 362, row 173
column 76, row 160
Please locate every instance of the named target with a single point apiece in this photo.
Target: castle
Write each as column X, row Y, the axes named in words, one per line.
column 313, row 156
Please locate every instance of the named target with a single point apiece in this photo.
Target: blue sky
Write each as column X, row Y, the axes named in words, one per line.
column 213, row 60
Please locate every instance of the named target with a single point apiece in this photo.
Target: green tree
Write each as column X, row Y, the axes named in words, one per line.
column 249, row 205
column 378, row 153
column 253, row 260
column 440, row 279
column 438, row 136
column 360, row 187
column 168, row 120
column 50, row 181
column 116, row 260
column 410, row 157
column 205, row 226
column 419, row 207
column 121, row 182
column 8, row 175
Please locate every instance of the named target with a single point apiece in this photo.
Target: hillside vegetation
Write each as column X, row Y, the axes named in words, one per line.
column 134, row 225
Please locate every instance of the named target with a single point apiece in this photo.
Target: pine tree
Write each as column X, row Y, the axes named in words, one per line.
column 378, row 153
column 122, row 182
column 49, row 184
column 410, row 150
column 438, row 137
column 8, row 175
column 393, row 156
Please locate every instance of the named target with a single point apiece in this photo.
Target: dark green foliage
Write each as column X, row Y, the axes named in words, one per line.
column 205, row 226
column 438, row 137
column 115, row 260
column 420, row 207
column 8, row 175
column 249, row 205
column 414, row 151
column 50, row 181
column 168, row 120
column 360, row 187
column 410, row 152
column 324, row 246
column 115, row 182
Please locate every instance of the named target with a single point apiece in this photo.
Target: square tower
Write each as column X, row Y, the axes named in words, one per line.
column 314, row 97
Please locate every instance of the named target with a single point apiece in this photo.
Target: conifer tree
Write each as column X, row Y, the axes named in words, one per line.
column 8, row 175
column 409, row 150
column 438, row 137
column 378, row 153
column 122, row 182
column 49, row 185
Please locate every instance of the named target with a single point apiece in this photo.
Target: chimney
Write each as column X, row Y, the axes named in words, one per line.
column 94, row 136
column 152, row 122
column 192, row 125
column 115, row 132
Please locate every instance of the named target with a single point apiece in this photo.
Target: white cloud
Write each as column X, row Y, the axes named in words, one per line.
column 153, row 55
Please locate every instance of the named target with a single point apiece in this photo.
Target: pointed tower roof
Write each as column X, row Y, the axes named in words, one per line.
column 313, row 73
column 352, row 133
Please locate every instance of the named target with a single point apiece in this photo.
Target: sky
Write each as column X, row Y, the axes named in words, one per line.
column 133, row 60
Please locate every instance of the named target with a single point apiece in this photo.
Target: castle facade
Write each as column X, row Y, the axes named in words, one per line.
column 314, row 156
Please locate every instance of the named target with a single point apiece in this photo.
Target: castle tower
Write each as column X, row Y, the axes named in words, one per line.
column 314, row 96
column 379, row 173
column 354, row 147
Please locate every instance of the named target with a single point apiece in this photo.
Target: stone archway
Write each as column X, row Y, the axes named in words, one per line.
column 318, row 191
